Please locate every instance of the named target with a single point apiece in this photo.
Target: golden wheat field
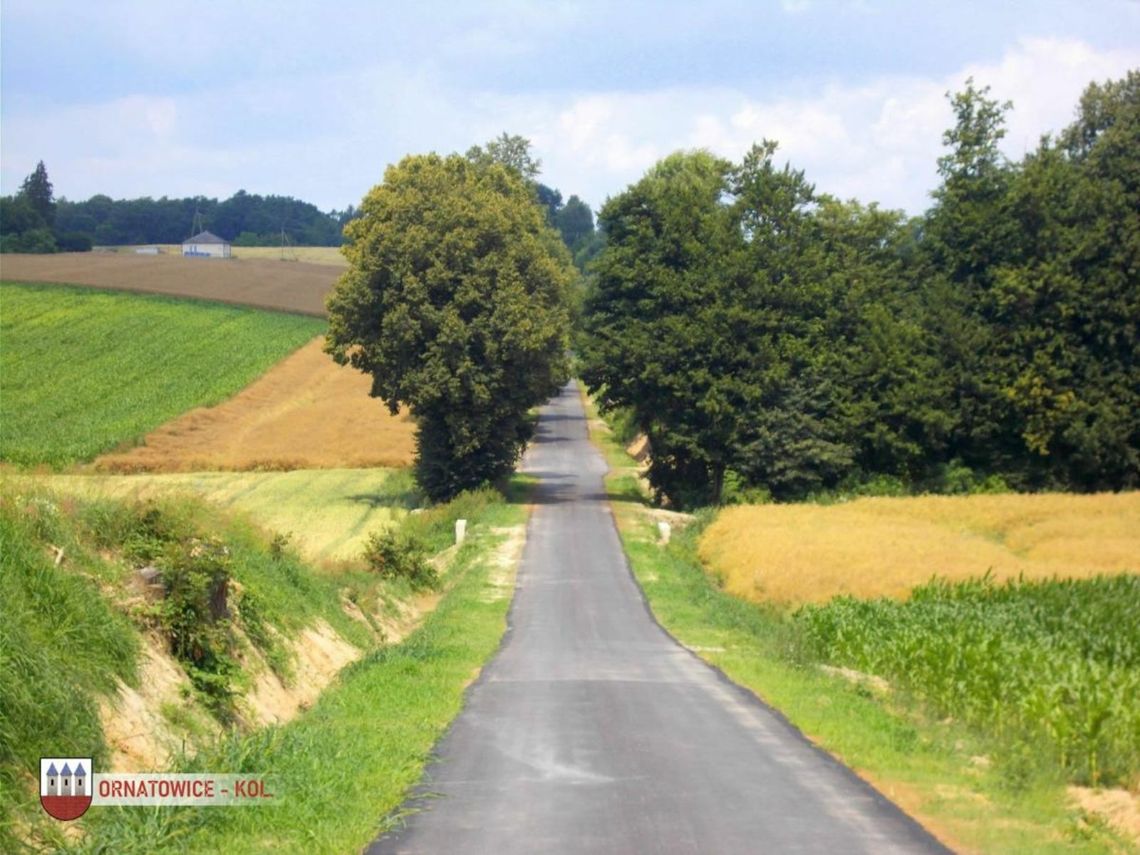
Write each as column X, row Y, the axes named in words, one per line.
column 872, row 547
column 306, row 412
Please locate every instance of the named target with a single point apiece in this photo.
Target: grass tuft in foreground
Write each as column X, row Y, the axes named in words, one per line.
column 61, row 643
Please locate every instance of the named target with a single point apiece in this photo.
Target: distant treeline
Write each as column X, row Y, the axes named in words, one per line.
column 246, row 219
column 34, row 221
column 775, row 341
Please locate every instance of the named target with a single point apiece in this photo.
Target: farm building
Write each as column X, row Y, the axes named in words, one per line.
column 206, row 244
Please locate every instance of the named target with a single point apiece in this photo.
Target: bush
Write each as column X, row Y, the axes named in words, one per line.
column 737, row 491
column 399, row 555
column 956, row 478
column 195, row 615
column 74, row 242
column 623, row 423
column 33, row 241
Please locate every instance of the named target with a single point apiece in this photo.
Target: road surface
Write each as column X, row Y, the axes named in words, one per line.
column 593, row 731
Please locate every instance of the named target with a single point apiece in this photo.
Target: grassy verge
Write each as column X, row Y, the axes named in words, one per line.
column 73, row 617
column 940, row 771
column 61, row 643
column 79, row 365
column 344, row 767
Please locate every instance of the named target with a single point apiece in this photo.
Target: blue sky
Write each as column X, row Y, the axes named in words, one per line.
column 314, row 99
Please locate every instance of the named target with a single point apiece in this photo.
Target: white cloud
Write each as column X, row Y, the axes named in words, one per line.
column 877, row 141
column 327, row 137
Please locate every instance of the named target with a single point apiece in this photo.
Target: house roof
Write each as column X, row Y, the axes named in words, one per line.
column 205, row 237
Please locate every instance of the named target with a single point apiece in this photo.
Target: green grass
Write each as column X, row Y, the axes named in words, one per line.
column 86, row 371
column 328, row 512
column 69, row 632
column 346, row 765
column 958, row 781
column 60, row 644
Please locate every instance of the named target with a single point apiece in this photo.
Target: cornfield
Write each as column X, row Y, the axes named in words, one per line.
column 1054, row 665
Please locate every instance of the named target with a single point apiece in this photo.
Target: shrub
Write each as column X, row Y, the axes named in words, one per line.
column 195, row 614
column 399, row 555
column 435, row 526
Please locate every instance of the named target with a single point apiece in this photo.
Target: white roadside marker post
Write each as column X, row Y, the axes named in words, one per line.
column 460, row 531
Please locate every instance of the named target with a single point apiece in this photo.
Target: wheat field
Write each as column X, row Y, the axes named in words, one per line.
column 791, row 554
column 306, row 412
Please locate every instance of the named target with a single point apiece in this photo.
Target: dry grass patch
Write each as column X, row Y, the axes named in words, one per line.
column 886, row 546
column 262, row 283
column 306, row 413
column 329, row 512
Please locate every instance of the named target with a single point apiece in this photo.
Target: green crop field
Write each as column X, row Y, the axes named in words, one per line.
column 86, row 371
column 1053, row 665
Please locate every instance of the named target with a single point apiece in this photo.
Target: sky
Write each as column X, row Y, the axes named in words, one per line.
column 315, row 99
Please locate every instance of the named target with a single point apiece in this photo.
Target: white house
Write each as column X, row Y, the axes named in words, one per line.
column 206, row 244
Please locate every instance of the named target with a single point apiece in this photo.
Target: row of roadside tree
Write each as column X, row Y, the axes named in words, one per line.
column 772, row 340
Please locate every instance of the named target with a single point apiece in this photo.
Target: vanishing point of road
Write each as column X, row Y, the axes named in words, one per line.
column 592, row 730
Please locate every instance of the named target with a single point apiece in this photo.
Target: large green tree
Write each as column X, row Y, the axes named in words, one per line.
column 1065, row 308
column 663, row 326
column 455, row 302
column 752, row 327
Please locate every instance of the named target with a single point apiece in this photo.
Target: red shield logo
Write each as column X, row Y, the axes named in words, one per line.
column 65, row 786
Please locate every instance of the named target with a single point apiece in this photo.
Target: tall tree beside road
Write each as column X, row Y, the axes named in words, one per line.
column 766, row 336
column 665, row 335
column 456, row 303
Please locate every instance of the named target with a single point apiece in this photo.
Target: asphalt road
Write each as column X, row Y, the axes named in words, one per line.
column 593, row 731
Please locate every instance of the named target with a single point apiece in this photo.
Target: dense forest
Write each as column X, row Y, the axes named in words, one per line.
column 32, row 220
column 774, row 341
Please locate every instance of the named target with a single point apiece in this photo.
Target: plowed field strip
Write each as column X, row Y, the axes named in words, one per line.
column 285, row 286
